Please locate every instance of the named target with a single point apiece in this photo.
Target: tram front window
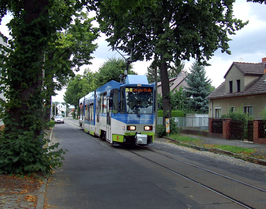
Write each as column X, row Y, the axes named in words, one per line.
column 139, row 100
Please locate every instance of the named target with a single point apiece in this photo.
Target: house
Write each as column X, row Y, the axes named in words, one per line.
column 244, row 89
column 175, row 83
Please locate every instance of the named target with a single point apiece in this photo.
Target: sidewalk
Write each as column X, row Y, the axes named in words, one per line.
column 22, row 192
column 205, row 144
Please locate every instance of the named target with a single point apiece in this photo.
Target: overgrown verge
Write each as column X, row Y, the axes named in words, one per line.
column 27, row 154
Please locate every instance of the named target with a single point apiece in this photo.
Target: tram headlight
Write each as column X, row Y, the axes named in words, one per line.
column 131, row 128
column 147, row 128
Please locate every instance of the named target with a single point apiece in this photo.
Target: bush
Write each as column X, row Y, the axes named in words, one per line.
column 174, row 129
column 177, row 113
column 51, row 123
column 236, row 116
column 160, row 131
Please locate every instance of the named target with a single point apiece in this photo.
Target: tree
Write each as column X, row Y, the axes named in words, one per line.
column 198, row 89
column 178, row 99
column 257, row 1
column 174, row 71
column 34, row 26
column 170, row 31
column 72, row 50
column 77, row 88
column 111, row 70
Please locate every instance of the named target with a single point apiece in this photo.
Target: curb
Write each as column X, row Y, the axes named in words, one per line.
column 40, row 202
column 219, row 151
column 42, row 190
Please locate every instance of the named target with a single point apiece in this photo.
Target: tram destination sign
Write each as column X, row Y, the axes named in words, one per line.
column 148, row 90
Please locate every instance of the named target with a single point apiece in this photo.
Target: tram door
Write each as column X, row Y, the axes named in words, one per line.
column 108, row 122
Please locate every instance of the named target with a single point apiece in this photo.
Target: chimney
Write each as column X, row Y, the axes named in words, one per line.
column 264, row 62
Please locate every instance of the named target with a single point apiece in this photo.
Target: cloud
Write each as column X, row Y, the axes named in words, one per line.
column 248, row 45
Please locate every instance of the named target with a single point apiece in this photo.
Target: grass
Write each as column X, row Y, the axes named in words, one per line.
column 233, row 149
column 192, row 140
column 185, row 139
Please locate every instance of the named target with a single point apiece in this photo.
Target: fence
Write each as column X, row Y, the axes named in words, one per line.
column 194, row 123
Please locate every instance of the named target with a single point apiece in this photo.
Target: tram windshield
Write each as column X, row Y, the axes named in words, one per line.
column 139, row 100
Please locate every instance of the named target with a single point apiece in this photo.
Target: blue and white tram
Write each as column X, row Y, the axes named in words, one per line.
column 120, row 113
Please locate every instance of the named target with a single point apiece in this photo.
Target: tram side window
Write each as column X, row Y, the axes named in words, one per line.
column 122, row 100
column 103, row 102
column 81, row 111
column 115, row 100
column 86, row 112
column 91, row 112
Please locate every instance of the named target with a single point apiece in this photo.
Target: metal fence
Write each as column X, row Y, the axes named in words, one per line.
column 194, row 123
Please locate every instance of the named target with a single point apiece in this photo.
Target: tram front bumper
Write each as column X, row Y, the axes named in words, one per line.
column 141, row 139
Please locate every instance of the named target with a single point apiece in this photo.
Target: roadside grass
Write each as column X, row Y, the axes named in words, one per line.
column 233, row 149
column 192, row 140
column 185, row 139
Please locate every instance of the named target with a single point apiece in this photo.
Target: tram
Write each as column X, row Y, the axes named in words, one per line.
column 121, row 113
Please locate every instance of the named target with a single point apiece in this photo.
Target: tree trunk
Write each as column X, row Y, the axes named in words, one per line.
column 165, row 91
column 26, row 76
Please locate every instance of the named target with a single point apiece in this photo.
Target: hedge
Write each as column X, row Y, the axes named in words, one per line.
column 175, row 113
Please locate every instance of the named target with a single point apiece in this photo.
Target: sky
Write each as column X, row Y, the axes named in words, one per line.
column 248, row 45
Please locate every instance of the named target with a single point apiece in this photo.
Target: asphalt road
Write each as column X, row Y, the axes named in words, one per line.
column 97, row 175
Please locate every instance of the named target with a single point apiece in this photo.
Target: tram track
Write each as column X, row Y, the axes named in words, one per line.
column 217, row 191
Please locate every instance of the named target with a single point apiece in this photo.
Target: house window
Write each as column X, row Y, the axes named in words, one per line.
column 230, row 86
column 238, row 85
column 218, row 112
column 232, row 109
column 248, row 110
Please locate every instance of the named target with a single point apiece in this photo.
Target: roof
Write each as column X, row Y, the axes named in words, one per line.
column 176, row 82
column 248, row 68
column 258, row 86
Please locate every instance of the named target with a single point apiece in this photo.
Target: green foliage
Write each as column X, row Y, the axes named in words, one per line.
column 178, row 30
column 185, row 139
column 22, row 155
column 174, row 129
column 263, row 114
column 235, row 149
column 236, row 116
column 175, row 113
column 198, row 89
column 160, row 131
column 51, row 124
column 37, row 45
column 178, row 99
column 78, row 87
column 173, row 71
column 111, row 70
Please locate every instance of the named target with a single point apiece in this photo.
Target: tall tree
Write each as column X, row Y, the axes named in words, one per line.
column 78, row 87
column 171, row 30
column 199, row 87
column 34, row 25
column 72, row 50
column 111, row 70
